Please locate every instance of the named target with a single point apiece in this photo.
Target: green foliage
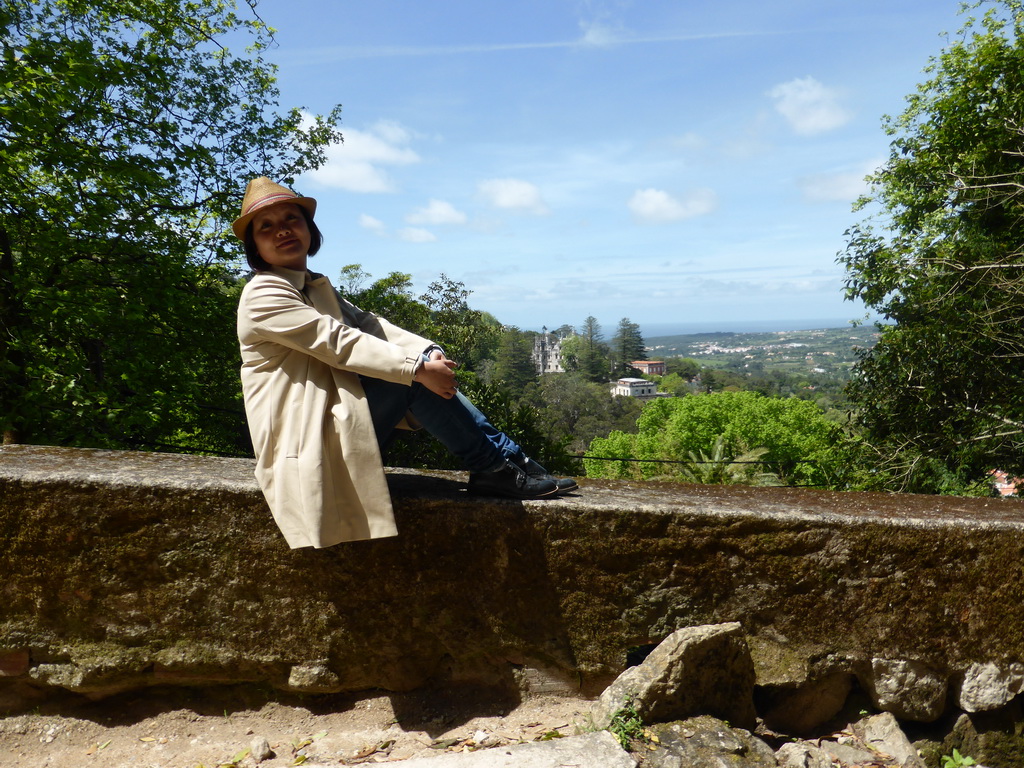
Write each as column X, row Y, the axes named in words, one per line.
column 800, row 446
column 942, row 259
column 391, row 297
column 589, row 351
column 627, row 346
column 577, row 410
column 513, row 365
column 626, row 725
column 956, row 760
column 719, row 468
column 460, row 329
column 685, row 367
column 127, row 132
column 442, row 314
column 881, row 467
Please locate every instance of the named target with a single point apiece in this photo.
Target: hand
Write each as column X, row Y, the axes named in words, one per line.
column 438, row 375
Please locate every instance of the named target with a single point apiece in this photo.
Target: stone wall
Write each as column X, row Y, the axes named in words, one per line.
column 126, row 570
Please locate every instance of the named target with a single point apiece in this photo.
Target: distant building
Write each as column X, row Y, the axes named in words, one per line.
column 649, row 367
column 547, row 353
column 635, row 388
column 1004, row 484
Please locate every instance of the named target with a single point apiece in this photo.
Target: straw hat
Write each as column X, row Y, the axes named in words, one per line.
column 262, row 192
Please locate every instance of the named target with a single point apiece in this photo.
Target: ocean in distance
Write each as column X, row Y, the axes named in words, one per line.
column 687, row 328
column 654, row 330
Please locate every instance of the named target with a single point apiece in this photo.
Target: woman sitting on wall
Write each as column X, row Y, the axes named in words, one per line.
column 326, row 384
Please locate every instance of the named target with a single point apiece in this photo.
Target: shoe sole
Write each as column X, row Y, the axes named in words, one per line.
column 493, row 495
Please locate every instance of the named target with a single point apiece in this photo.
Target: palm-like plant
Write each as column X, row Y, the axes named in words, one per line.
column 723, row 468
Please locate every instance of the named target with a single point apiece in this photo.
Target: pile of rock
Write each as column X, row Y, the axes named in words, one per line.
column 691, row 703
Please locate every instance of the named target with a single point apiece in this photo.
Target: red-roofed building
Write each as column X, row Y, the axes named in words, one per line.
column 649, row 367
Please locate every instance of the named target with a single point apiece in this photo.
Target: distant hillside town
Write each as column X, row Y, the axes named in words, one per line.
column 547, row 358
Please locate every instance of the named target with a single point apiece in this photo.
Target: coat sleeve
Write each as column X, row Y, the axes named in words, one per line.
column 381, row 328
column 273, row 312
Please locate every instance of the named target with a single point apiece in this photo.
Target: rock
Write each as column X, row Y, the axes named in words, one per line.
column 991, row 738
column 707, row 742
column 883, row 734
column 990, row 686
column 802, row 709
column 848, row 754
column 313, row 678
column 696, row 670
column 260, row 749
column 909, row 689
column 802, row 755
column 594, row 750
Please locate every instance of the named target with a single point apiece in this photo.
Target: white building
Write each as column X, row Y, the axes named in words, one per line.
column 635, row 388
column 547, row 353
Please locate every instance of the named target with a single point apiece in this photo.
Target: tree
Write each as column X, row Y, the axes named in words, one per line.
column 577, row 410
column 686, row 367
column 591, row 352
column 514, row 367
column 627, row 346
column 799, row 445
column 461, row 330
column 128, row 131
column 391, row 297
column 943, row 262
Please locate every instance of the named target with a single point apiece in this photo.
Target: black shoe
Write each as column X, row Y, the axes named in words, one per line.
column 512, row 482
column 565, row 484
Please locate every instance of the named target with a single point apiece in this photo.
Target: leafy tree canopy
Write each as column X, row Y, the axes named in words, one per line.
column 441, row 314
column 127, row 132
column 791, row 437
column 941, row 258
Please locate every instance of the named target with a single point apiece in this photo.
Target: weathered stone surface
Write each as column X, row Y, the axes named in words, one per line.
column 260, row 749
column 910, row 689
column 313, row 678
column 848, row 754
column 803, row 755
column 993, row 738
column 990, row 686
column 694, row 671
column 14, row 663
column 156, row 552
column 707, row 742
column 882, row 734
column 594, row 750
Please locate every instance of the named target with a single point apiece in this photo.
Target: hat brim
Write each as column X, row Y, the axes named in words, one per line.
column 239, row 225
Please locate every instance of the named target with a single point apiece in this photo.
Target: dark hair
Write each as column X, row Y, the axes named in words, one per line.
column 256, row 262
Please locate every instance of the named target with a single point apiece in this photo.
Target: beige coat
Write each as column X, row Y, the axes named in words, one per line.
column 317, row 459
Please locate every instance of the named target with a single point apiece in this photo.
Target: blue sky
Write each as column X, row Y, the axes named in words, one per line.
column 670, row 162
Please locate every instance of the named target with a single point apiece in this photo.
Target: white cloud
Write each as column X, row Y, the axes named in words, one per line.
column 844, row 186
column 369, row 222
column 416, row 235
column 513, row 194
column 808, row 106
column 437, row 212
column 359, row 163
column 598, row 35
column 655, row 206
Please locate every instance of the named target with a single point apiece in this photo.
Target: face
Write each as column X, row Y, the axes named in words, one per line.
column 282, row 236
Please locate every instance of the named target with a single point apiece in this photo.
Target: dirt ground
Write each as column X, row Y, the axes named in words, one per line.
column 182, row 729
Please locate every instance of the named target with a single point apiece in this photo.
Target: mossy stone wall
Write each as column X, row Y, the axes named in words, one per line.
column 124, row 570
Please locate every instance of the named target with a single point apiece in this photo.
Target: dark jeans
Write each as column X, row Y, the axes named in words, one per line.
column 461, row 428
